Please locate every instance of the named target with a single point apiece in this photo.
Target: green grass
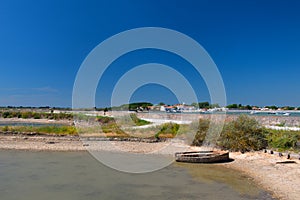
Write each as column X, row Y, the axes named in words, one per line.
column 59, row 130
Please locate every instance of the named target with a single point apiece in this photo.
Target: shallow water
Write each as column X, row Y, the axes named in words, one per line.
column 77, row 175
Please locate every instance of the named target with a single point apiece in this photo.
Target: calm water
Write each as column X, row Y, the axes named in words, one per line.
column 76, row 175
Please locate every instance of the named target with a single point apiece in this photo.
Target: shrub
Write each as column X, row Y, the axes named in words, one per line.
column 201, row 132
column 282, row 140
column 104, row 119
column 26, row 115
column 5, row 115
column 137, row 121
column 37, row 116
column 168, row 129
column 5, row 128
column 243, row 134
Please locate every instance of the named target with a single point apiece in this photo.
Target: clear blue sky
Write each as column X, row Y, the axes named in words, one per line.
column 255, row 44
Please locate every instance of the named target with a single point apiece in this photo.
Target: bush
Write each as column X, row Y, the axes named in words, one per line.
column 201, row 132
column 5, row 128
column 37, row 116
column 137, row 121
column 282, row 140
column 168, row 130
column 5, row 115
column 105, row 120
column 243, row 134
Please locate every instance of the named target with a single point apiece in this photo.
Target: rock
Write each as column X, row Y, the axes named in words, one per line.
column 265, row 151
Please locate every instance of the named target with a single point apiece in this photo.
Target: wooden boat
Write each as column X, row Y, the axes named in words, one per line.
column 202, row 156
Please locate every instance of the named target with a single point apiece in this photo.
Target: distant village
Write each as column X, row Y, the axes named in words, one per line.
column 177, row 108
column 206, row 107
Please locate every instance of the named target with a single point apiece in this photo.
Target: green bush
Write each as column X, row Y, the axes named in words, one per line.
column 243, row 134
column 6, row 115
column 282, row 140
column 104, row 119
column 5, row 128
column 137, row 121
column 37, row 116
column 170, row 129
column 201, row 132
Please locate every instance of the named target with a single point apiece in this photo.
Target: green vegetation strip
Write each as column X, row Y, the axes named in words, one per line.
column 35, row 115
column 59, row 130
column 242, row 134
column 247, row 134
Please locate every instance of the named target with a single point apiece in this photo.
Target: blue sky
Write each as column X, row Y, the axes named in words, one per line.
column 255, row 44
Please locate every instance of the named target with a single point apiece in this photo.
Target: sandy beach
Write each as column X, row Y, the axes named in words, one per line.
column 282, row 180
column 270, row 173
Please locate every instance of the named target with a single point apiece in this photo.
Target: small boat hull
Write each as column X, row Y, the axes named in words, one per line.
column 202, row 157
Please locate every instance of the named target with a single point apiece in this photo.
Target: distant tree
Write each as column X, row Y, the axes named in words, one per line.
column 161, row 104
column 248, row 107
column 215, row 105
column 203, row 104
column 105, row 111
column 232, row 106
column 272, row 107
column 288, row 108
column 196, row 105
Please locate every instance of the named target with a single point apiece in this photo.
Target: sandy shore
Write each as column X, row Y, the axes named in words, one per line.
column 282, row 180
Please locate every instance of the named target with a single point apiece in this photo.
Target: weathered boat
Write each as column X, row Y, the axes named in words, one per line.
column 202, row 156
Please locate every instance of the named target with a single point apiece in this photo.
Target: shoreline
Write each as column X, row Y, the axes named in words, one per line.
column 281, row 180
column 269, row 172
